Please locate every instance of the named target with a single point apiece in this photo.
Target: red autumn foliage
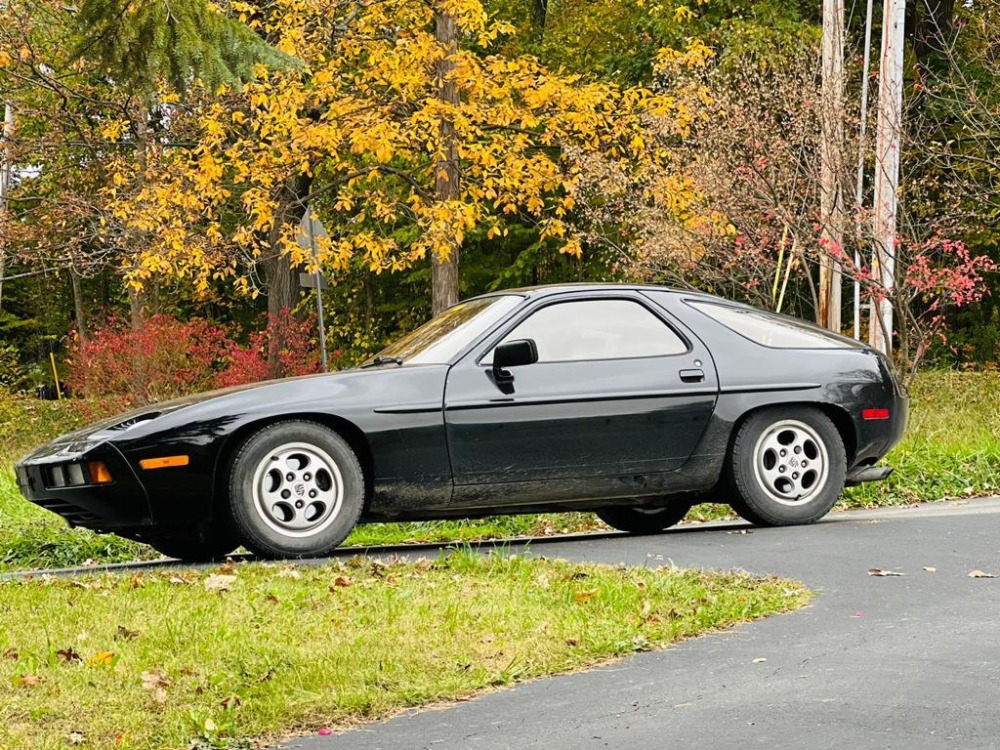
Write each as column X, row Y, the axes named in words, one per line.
column 119, row 366
column 296, row 352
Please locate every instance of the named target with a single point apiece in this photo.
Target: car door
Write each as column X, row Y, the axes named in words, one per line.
column 619, row 390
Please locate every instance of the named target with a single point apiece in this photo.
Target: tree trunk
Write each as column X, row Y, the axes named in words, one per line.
column 444, row 266
column 281, row 274
column 539, row 17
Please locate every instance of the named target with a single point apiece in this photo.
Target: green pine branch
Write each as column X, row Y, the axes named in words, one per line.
column 145, row 41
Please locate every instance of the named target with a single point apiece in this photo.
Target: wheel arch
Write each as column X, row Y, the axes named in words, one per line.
column 837, row 414
column 346, row 429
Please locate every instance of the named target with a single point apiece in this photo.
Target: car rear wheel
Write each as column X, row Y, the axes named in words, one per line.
column 296, row 490
column 787, row 467
column 637, row 520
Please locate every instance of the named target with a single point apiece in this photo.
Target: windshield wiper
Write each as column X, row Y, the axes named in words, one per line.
column 379, row 361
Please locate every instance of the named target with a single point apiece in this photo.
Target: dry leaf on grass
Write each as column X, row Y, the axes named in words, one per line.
column 586, row 596
column 156, row 682
column 101, row 659
column 68, row 655
column 219, row 583
column 124, row 634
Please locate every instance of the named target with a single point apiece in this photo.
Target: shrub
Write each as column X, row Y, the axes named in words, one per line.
column 294, row 346
column 117, row 367
column 163, row 359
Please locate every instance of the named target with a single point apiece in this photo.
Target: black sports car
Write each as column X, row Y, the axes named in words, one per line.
column 631, row 401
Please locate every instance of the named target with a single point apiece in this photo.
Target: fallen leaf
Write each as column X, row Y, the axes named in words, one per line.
column 980, row 574
column 124, row 634
column 572, row 641
column 342, row 581
column 101, row 659
column 219, row 583
column 69, row 655
column 29, row 680
column 76, row 738
column 930, row 569
column 884, row 573
column 156, row 682
column 586, row 596
column 11, row 654
column 233, row 701
column 292, row 573
column 272, row 598
column 759, row 660
column 227, row 568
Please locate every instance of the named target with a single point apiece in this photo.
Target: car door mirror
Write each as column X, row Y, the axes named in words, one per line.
column 513, row 354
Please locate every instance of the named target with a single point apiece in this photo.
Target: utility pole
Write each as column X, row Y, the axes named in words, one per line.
column 6, row 136
column 890, row 120
column 832, row 215
column 859, row 185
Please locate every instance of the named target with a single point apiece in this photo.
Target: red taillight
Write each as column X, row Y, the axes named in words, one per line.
column 869, row 414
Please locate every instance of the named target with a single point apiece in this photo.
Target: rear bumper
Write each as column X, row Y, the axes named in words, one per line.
column 121, row 504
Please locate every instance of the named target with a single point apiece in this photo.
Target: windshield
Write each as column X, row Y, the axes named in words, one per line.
column 441, row 338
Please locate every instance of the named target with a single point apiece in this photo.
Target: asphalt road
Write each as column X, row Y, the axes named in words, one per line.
column 908, row 662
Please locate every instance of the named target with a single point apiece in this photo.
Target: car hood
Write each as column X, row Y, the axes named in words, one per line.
column 120, row 424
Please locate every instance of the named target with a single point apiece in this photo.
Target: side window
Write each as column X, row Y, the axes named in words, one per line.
column 769, row 329
column 596, row 329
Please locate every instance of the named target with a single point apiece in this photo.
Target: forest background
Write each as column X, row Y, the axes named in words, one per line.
column 162, row 158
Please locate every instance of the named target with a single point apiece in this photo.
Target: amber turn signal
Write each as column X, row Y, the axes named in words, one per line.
column 99, row 473
column 166, row 462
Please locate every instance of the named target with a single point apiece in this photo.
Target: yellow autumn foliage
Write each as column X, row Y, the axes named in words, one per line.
column 362, row 133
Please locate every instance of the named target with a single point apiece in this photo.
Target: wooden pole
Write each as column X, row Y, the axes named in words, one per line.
column 831, row 165
column 890, row 119
column 859, row 186
column 6, row 136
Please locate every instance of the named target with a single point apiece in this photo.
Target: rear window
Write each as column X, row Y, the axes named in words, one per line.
column 769, row 329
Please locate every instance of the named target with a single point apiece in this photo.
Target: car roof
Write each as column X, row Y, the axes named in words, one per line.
column 545, row 290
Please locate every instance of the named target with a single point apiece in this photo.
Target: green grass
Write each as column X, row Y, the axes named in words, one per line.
column 951, row 449
column 252, row 653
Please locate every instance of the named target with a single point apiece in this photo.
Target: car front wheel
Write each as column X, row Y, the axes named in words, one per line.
column 787, row 467
column 296, row 490
column 637, row 520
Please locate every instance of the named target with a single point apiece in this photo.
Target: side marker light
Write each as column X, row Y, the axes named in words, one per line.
column 873, row 414
column 166, row 462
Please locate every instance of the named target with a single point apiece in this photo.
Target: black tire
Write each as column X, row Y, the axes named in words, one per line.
column 191, row 546
column 296, row 489
column 797, row 486
column 638, row 520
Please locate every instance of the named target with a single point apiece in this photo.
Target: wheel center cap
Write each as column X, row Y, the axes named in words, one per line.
column 300, row 490
column 793, row 462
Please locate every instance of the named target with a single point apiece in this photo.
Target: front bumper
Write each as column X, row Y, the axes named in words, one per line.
column 120, row 504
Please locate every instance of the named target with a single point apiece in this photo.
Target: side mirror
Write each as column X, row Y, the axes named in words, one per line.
column 513, row 354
